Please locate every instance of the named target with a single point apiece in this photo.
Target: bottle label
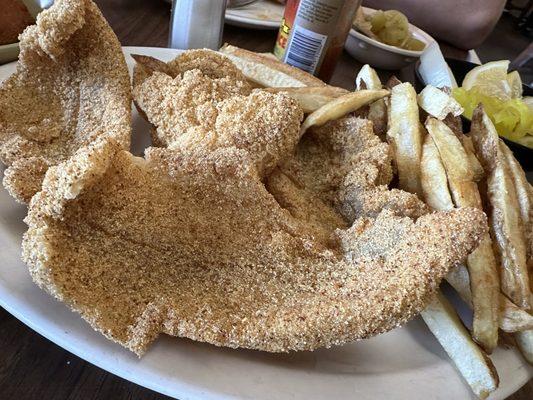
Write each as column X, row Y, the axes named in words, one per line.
column 313, row 32
column 305, row 49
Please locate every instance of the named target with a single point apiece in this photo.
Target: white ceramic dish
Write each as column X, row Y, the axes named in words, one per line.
column 10, row 52
column 263, row 14
column 381, row 55
column 407, row 363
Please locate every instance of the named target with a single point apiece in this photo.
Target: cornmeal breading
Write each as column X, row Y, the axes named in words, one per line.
column 237, row 231
column 205, row 63
column 71, row 87
column 194, row 110
column 185, row 103
column 191, row 243
column 211, row 63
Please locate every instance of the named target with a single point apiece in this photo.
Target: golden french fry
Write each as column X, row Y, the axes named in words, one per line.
column 512, row 317
column 456, row 164
column 437, row 103
column 367, row 78
column 523, row 195
column 485, row 289
column 268, row 72
column 475, row 366
column 341, row 106
column 377, row 113
column 311, row 98
column 524, row 340
column 505, row 217
column 439, row 316
column 481, row 262
column 455, row 124
column 405, row 136
column 433, row 178
column 479, row 173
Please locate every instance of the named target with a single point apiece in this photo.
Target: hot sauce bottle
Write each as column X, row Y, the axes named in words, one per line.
column 313, row 32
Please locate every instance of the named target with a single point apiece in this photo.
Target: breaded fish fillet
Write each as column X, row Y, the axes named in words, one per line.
column 191, row 87
column 194, row 109
column 190, row 242
column 209, row 62
column 71, row 87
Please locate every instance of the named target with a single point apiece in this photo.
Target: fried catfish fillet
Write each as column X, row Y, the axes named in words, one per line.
column 190, row 86
column 71, row 87
column 195, row 109
column 189, row 241
column 209, row 62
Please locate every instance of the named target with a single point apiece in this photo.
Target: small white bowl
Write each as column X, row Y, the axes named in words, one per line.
column 10, row 52
column 381, row 55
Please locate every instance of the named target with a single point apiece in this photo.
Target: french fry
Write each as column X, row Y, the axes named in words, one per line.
column 442, row 320
column 367, row 78
column 341, row 106
column 479, row 172
column 505, row 217
column 482, row 268
column 437, row 103
column 268, row 72
column 475, row 366
column 405, row 137
column 433, row 178
column 311, row 98
column 437, row 196
column 523, row 195
column 455, row 124
column 524, row 339
column 512, row 318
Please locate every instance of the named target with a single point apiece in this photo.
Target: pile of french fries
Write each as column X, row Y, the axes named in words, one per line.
column 446, row 168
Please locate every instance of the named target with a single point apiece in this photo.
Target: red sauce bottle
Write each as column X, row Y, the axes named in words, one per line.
column 313, row 32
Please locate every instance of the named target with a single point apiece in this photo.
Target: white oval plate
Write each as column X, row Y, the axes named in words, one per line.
column 263, row 14
column 407, row 363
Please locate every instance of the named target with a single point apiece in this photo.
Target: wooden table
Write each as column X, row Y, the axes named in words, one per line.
column 31, row 367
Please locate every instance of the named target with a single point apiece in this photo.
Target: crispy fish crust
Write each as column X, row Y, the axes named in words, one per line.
column 210, row 62
column 195, row 109
column 70, row 88
column 191, row 242
column 224, row 79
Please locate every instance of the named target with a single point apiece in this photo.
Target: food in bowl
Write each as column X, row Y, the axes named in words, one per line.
column 14, row 18
column 368, row 49
column 390, row 27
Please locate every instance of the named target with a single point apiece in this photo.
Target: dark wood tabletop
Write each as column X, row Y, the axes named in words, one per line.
column 31, row 367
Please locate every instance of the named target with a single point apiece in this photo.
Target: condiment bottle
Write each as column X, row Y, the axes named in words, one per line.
column 313, row 32
column 196, row 24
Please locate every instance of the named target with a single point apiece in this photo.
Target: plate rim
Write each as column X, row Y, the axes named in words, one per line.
column 16, row 307
column 234, row 17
